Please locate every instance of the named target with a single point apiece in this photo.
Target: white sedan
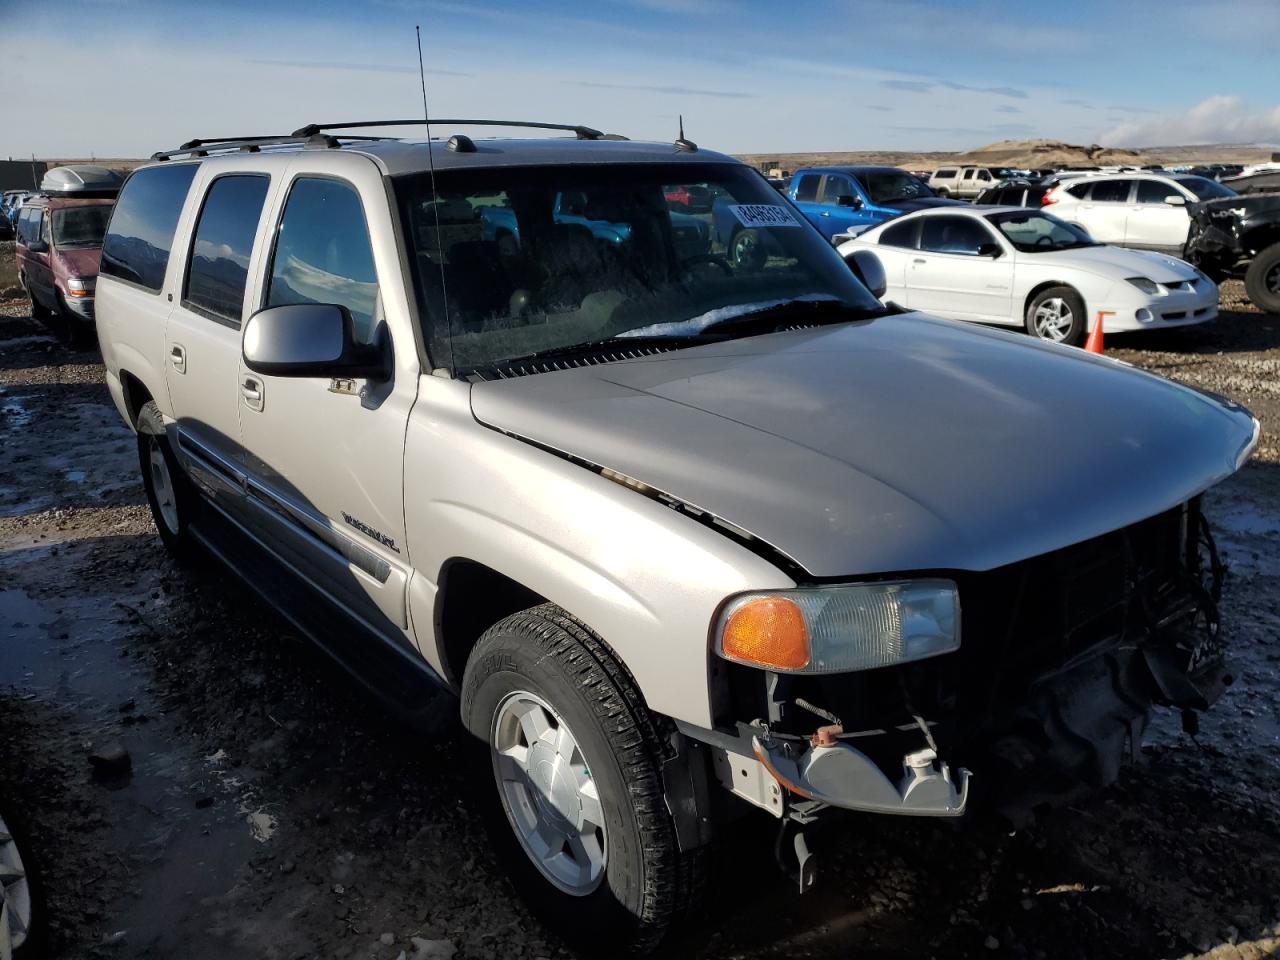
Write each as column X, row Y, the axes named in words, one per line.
column 1021, row 267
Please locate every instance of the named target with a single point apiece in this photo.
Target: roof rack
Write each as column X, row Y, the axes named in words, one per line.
column 313, row 135
column 203, row 147
column 578, row 130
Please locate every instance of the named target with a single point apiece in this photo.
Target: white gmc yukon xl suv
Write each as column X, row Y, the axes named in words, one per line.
column 685, row 535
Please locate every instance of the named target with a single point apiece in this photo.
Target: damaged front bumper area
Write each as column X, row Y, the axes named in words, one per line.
column 1062, row 657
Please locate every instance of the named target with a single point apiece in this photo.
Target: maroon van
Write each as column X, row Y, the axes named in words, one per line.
column 59, row 240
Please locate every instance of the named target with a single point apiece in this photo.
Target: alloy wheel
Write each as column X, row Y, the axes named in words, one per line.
column 1053, row 319
column 15, row 896
column 1272, row 280
column 548, row 793
column 162, row 482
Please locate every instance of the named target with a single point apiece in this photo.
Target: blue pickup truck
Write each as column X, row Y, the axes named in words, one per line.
column 838, row 199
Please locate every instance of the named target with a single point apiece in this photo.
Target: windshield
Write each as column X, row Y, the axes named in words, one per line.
column 537, row 259
column 1035, row 232
column 1205, row 189
column 80, row 226
column 885, row 186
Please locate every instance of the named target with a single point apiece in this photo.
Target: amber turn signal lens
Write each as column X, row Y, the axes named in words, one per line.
column 767, row 632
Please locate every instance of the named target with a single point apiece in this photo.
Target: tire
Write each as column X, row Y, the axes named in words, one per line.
column 22, row 908
column 1050, row 308
column 1262, row 279
column 625, row 882
column 944, row 193
column 174, row 501
column 747, row 250
column 38, row 312
column 77, row 333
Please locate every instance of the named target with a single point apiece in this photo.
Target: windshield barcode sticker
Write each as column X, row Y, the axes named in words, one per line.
column 763, row 215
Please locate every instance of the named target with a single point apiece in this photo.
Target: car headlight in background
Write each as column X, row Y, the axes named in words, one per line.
column 842, row 628
column 77, row 287
column 1143, row 284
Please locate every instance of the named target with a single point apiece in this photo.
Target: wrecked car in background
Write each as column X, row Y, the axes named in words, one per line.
column 688, row 533
column 1240, row 237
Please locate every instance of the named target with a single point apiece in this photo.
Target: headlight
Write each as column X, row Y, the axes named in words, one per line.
column 841, row 628
column 1143, row 284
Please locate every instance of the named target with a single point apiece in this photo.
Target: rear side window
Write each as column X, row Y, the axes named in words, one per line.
column 140, row 234
column 220, row 251
column 807, row 188
column 1080, row 190
column 901, row 234
column 945, row 174
column 1111, row 191
column 323, row 254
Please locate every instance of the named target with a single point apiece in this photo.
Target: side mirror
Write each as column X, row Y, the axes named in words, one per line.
column 310, row 340
column 848, row 200
column 866, row 266
column 37, row 246
column 992, row 250
column 1176, row 200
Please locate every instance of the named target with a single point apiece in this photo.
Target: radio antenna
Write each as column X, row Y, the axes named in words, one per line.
column 435, row 197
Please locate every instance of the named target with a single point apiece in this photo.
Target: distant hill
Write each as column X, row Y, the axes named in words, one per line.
column 1022, row 153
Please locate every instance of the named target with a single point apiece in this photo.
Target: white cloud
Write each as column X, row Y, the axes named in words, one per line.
column 1219, row 119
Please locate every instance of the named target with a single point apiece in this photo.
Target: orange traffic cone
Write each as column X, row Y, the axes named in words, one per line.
column 1094, row 343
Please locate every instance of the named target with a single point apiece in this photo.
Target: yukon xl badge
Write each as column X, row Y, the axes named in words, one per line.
column 368, row 531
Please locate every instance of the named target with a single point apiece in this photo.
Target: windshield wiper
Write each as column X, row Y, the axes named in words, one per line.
column 596, row 346
column 805, row 311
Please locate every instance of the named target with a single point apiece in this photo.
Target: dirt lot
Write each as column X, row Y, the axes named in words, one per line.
column 273, row 812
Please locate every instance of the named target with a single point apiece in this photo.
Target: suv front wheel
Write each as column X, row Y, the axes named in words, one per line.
column 1262, row 279
column 577, row 809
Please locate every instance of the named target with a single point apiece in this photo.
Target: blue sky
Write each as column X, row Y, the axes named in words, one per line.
column 748, row 76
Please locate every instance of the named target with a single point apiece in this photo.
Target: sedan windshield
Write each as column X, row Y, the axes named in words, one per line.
column 80, row 226
column 515, row 263
column 1034, row 232
column 1204, row 188
column 886, row 186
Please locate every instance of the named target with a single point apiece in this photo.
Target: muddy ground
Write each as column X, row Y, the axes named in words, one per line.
column 273, row 811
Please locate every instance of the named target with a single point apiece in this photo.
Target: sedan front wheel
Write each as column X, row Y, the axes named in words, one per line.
column 1057, row 315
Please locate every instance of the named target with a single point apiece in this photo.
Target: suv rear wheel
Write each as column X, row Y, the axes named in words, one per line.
column 1262, row 280
column 173, row 500
column 577, row 810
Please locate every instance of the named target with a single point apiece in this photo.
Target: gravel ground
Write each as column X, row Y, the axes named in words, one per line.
column 271, row 811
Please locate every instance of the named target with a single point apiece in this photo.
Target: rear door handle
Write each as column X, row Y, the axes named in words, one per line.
column 178, row 357
column 251, row 390
column 919, row 260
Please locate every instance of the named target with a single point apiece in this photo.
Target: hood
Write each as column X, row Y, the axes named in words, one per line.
column 920, row 203
column 893, row 444
column 79, row 262
column 1119, row 262
column 1243, row 207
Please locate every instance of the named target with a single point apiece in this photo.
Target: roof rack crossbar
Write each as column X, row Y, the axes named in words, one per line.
column 203, row 147
column 580, row 131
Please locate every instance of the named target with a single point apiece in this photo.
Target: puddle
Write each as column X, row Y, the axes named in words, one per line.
column 25, row 639
column 14, row 414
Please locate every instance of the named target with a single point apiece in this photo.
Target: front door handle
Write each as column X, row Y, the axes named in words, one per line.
column 826, row 213
column 919, row 260
column 251, row 390
column 178, row 357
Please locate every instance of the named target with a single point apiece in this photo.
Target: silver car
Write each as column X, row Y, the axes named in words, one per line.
column 685, row 536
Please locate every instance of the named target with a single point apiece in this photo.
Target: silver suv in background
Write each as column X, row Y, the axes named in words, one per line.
column 687, row 537
column 962, row 182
